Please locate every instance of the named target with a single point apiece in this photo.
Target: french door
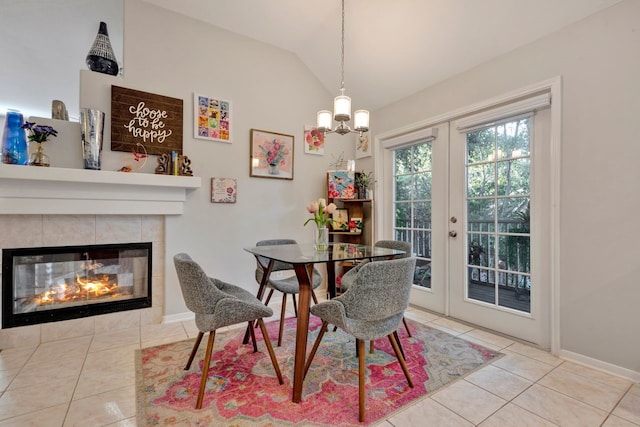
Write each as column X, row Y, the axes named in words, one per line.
column 475, row 204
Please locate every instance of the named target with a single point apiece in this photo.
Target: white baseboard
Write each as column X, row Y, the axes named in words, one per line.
column 600, row 365
column 180, row 317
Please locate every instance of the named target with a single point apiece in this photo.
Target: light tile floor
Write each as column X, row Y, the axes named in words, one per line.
column 89, row 381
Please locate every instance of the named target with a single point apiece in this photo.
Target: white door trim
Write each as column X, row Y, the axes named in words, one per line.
column 554, row 86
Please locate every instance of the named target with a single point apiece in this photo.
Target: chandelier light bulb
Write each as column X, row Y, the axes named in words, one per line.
column 342, row 108
column 324, row 120
column 361, row 120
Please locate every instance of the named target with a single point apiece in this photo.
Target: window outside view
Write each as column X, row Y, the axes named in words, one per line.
column 412, row 206
column 498, row 215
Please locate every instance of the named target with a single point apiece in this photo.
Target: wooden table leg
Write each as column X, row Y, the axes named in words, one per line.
column 304, row 273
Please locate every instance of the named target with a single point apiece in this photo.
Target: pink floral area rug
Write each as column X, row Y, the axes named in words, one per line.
column 242, row 389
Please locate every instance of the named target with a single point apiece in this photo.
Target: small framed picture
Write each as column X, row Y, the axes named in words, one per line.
column 363, row 146
column 355, row 225
column 271, row 155
column 313, row 141
column 224, row 190
column 341, row 219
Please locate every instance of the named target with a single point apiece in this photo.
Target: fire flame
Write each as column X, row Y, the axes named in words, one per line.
column 82, row 289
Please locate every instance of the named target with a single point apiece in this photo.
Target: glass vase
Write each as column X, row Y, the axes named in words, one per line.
column 38, row 158
column 321, row 238
column 14, row 140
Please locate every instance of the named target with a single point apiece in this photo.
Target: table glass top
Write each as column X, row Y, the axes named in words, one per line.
column 304, row 254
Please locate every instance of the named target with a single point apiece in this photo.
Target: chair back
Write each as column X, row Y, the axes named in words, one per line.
column 398, row 245
column 199, row 291
column 278, row 265
column 380, row 290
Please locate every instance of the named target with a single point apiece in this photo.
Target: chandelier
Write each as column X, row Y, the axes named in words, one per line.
column 342, row 107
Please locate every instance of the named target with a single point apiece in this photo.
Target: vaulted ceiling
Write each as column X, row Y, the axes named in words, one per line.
column 392, row 48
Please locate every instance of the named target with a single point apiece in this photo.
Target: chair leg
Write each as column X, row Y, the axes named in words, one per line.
column 253, row 337
column 266, row 303
column 396, row 349
column 282, row 313
column 371, row 347
column 295, row 305
column 272, row 355
column 361, row 358
column 406, row 326
column 395, row 335
column 315, row 298
column 323, row 329
column 205, row 369
column 194, row 350
column 268, row 297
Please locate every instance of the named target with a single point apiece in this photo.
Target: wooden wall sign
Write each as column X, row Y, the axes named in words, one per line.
column 154, row 121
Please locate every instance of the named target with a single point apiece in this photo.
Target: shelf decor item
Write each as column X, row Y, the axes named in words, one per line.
column 39, row 134
column 101, row 57
column 363, row 180
column 14, row 140
column 91, row 131
column 321, row 216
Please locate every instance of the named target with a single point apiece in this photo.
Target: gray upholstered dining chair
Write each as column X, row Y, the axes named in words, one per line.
column 372, row 307
column 288, row 285
column 398, row 245
column 217, row 304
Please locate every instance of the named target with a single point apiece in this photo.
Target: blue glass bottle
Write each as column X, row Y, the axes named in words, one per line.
column 14, row 140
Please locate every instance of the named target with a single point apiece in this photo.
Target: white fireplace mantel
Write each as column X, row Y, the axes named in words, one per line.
column 42, row 190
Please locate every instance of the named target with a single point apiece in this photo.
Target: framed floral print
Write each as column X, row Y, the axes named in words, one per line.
column 313, row 141
column 271, row 155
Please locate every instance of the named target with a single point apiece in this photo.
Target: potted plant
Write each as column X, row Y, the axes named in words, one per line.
column 363, row 180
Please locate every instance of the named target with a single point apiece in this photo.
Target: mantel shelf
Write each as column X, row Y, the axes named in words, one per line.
column 47, row 190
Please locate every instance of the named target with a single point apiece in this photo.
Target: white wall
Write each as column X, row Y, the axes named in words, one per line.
column 270, row 89
column 599, row 230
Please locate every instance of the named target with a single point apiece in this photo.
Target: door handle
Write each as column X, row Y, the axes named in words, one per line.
column 453, row 233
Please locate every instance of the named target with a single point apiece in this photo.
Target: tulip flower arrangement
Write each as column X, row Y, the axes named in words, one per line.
column 321, row 212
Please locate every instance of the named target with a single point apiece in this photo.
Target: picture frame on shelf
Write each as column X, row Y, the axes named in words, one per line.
column 357, row 225
column 341, row 184
column 271, row 155
column 340, row 219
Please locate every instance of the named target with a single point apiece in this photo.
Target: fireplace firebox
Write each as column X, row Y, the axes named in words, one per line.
column 49, row 284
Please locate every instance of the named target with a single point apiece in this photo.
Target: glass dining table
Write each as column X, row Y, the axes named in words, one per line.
column 303, row 257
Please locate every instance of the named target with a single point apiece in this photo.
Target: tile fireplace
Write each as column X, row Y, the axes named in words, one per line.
column 47, row 284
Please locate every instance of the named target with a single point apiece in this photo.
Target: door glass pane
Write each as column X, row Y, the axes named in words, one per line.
column 498, row 232
column 422, row 215
column 403, row 215
column 412, row 206
column 513, row 177
column 481, row 214
column 422, row 186
column 480, row 145
column 402, row 162
column 482, row 180
column 403, row 187
column 512, row 138
column 422, row 157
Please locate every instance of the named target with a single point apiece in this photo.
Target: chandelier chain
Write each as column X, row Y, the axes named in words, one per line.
column 342, row 56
